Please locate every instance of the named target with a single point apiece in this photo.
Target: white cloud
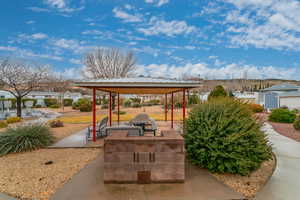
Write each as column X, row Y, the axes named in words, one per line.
column 31, row 37
column 66, row 44
column 265, row 24
column 158, row 26
column 91, row 32
column 75, row 61
column 38, row 36
column 126, row 17
column 63, row 5
column 157, row 2
column 37, row 9
column 30, row 22
column 228, row 71
column 71, row 44
column 71, row 73
column 28, row 53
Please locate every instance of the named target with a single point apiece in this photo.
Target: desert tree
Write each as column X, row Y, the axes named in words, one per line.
column 108, row 63
column 20, row 78
column 103, row 63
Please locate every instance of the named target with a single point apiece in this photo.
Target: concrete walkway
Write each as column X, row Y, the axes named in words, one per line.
column 74, row 140
column 88, row 185
column 285, row 182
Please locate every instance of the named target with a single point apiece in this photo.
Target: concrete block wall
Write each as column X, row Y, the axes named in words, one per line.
column 144, row 159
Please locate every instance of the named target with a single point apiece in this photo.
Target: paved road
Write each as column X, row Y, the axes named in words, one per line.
column 285, row 182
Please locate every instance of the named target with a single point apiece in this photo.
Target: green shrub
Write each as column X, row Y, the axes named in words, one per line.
column 13, row 101
column 25, row 138
column 86, row 107
column 222, row 136
column 56, row 123
column 3, row 124
column 136, row 105
column 296, row 123
column 282, row 115
column 193, row 99
column 127, row 103
column 154, row 101
column 50, row 101
column 147, row 104
column 12, row 120
column 135, row 100
column 38, row 106
column 178, row 104
column 256, row 108
column 105, row 106
column 54, row 106
column 76, row 105
column 218, row 91
column 26, row 99
column 68, row 102
column 120, row 113
column 105, row 101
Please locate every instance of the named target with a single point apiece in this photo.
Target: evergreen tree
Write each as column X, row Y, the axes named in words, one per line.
column 218, row 91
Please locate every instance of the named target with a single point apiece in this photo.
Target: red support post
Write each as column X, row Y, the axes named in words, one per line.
column 172, row 110
column 166, row 107
column 118, row 108
column 94, row 114
column 110, row 105
column 183, row 106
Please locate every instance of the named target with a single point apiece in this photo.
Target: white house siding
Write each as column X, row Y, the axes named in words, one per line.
column 290, row 102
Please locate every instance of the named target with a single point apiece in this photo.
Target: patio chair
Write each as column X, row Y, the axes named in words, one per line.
column 131, row 130
column 99, row 129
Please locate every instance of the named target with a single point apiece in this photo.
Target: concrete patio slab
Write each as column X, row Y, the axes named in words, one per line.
column 88, row 185
column 285, row 182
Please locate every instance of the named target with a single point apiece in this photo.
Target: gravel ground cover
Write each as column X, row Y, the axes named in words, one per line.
column 68, row 129
column 286, row 130
column 38, row 174
column 251, row 184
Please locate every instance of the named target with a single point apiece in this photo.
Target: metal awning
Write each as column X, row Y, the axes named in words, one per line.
column 138, row 85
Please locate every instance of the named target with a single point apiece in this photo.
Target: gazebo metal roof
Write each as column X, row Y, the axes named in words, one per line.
column 139, row 85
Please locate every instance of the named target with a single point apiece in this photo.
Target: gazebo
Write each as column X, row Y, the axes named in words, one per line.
column 139, row 85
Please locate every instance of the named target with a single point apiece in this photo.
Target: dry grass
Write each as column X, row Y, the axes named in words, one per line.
column 25, row 175
column 251, row 184
column 156, row 112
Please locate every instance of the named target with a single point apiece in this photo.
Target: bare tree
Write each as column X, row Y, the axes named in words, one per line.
column 108, row 63
column 20, row 78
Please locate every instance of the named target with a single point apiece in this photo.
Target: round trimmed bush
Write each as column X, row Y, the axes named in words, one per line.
column 12, row 120
column 68, row 102
column 218, row 91
column 54, row 106
column 56, row 123
column 3, row 124
column 50, row 101
column 282, row 115
column 136, row 105
column 86, row 107
column 222, row 136
column 296, row 123
column 120, row 113
column 25, row 138
column 127, row 103
column 256, row 108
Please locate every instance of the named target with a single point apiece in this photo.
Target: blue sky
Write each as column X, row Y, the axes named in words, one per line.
column 171, row 38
